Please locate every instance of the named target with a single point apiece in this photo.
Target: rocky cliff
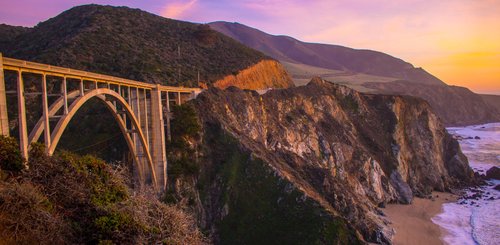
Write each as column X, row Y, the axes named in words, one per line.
column 492, row 100
column 456, row 106
column 263, row 75
column 355, row 68
column 313, row 164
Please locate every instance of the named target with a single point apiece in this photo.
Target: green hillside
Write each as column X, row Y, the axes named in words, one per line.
column 129, row 43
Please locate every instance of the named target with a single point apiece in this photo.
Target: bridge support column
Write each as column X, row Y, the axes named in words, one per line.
column 158, row 138
column 169, row 134
column 45, row 104
column 64, row 91
column 4, row 119
column 21, row 107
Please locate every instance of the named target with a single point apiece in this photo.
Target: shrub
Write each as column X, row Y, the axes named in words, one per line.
column 184, row 127
column 185, row 121
column 27, row 216
column 349, row 103
column 10, row 155
column 81, row 200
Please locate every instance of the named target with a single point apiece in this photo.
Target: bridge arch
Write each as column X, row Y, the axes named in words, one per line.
column 105, row 94
column 138, row 107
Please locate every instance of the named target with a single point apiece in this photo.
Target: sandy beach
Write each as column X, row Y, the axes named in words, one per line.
column 413, row 223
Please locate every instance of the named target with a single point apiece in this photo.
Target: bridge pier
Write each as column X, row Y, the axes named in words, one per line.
column 45, row 115
column 4, row 119
column 158, row 137
column 21, row 107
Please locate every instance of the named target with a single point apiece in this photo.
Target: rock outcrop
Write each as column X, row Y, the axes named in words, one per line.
column 263, row 75
column 493, row 173
column 456, row 106
column 325, row 147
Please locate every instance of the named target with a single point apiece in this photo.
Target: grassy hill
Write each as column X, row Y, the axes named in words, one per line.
column 302, row 74
column 328, row 56
column 129, row 43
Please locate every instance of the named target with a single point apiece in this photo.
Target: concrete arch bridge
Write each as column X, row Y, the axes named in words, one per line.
column 142, row 110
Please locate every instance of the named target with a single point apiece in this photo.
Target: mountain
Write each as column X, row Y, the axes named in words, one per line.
column 134, row 44
column 313, row 164
column 493, row 100
column 325, row 55
column 366, row 71
column 456, row 106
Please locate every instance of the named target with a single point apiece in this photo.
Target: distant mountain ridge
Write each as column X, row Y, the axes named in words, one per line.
column 367, row 71
column 325, row 55
column 131, row 43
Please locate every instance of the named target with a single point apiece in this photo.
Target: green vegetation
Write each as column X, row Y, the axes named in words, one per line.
column 263, row 208
column 349, row 103
column 130, row 43
column 180, row 153
column 10, row 156
column 82, row 200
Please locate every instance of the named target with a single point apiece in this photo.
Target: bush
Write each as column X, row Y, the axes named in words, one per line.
column 185, row 121
column 81, row 200
column 27, row 216
column 10, row 155
column 350, row 104
column 184, row 127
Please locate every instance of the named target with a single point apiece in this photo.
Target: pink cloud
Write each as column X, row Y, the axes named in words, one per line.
column 178, row 9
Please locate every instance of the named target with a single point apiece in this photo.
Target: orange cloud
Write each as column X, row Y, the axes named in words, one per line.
column 177, row 9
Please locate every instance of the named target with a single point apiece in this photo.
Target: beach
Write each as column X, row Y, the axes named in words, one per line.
column 413, row 224
column 463, row 222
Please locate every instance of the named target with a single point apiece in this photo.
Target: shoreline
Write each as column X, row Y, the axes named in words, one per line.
column 413, row 223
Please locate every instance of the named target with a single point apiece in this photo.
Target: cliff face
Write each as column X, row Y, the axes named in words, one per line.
column 492, row 100
column 263, row 75
column 342, row 152
column 456, row 106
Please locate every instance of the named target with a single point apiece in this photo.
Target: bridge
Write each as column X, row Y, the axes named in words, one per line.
column 142, row 110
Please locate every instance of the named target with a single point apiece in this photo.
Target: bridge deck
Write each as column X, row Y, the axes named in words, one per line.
column 50, row 70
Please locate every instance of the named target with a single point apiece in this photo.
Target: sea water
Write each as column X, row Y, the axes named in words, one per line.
column 470, row 221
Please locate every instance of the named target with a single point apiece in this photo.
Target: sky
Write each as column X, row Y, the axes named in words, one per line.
column 456, row 40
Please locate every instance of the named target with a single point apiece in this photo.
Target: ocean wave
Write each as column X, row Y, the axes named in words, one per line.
column 471, row 221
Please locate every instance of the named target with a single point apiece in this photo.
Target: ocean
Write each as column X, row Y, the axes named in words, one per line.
column 475, row 221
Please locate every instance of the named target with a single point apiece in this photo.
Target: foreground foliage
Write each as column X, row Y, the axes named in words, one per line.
column 180, row 152
column 73, row 199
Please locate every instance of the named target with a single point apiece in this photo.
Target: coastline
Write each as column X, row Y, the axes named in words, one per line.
column 413, row 223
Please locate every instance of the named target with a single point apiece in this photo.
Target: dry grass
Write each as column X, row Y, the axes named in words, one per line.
column 28, row 217
column 70, row 199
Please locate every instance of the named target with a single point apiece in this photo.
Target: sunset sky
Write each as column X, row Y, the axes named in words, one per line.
column 456, row 40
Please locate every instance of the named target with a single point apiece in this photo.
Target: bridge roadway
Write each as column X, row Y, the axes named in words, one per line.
column 142, row 110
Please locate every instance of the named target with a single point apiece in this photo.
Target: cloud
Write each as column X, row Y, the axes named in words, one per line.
column 178, row 9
